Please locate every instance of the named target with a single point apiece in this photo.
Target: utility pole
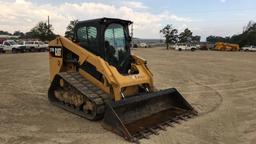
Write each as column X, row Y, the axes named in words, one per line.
column 132, row 39
column 48, row 24
column 48, row 21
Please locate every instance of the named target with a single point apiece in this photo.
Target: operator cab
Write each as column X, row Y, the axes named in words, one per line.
column 108, row 38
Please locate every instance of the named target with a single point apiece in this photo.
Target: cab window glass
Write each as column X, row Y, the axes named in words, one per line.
column 87, row 37
column 82, row 34
column 115, row 44
column 86, row 33
column 92, row 33
column 114, row 34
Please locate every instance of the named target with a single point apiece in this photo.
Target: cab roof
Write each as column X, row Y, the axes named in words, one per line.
column 104, row 20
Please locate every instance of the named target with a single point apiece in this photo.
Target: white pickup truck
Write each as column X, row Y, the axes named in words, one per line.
column 11, row 45
column 186, row 47
column 249, row 48
column 143, row 45
column 33, row 46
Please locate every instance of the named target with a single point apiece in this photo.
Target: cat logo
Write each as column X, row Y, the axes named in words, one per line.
column 56, row 52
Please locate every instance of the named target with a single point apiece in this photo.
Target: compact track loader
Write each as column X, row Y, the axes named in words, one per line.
column 221, row 46
column 95, row 76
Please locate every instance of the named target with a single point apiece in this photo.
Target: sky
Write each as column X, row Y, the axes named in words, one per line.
column 202, row 17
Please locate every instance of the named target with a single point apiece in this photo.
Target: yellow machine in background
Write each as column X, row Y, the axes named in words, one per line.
column 96, row 76
column 226, row 47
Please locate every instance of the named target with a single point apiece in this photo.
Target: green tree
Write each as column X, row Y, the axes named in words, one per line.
column 250, row 26
column 4, row 33
column 170, row 35
column 214, row 39
column 185, row 36
column 42, row 31
column 70, row 29
column 196, row 39
column 248, row 37
column 19, row 33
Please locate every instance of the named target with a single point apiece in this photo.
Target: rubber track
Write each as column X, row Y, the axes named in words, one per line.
column 87, row 89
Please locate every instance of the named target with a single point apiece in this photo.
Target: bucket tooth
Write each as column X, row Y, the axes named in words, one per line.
column 169, row 124
column 161, row 127
column 195, row 113
column 182, row 118
column 145, row 135
column 189, row 115
column 153, row 131
column 176, row 121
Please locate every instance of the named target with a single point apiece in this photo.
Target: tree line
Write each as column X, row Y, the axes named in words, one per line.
column 44, row 32
column 172, row 37
column 247, row 37
column 41, row 31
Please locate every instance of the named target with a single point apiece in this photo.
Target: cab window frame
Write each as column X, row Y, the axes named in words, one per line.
column 91, row 44
column 87, row 34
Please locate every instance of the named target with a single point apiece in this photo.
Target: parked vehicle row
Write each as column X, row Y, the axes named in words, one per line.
column 11, row 45
column 186, row 47
column 33, row 46
column 249, row 48
column 220, row 46
column 25, row 46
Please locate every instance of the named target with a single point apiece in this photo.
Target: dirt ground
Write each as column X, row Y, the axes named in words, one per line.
column 220, row 85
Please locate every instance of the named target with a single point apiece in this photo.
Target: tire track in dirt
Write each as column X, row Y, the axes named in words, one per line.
column 218, row 94
column 218, row 89
column 242, row 85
